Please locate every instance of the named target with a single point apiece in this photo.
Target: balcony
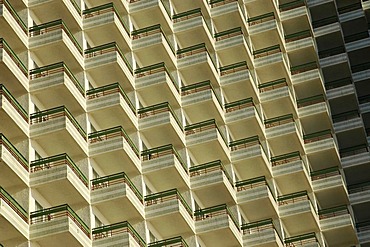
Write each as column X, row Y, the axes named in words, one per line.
column 121, row 233
column 160, row 125
column 191, row 27
column 299, row 40
column 359, row 193
column 148, row 12
column 238, row 82
column 307, row 240
column 14, row 166
column 306, row 72
column 12, row 69
column 314, row 112
column 217, row 226
column 261, row 233
column 55, row 84
column 337, row 226
column 12, row 26
column 176, row 241
column 110, row 106
column 298, row 207
column 363, row 230
column 196, row 64
column 113, row 150
column 361, row 67
column 117, row 198
column 293, row 9
column 333, row 56
column 321, row 148
column 49, row 174
column 58, row 226
column 200, row 102
column 291, row 172
column 231, row 46
column 53, row 41
column 13, row 220
column 364, row 103
column 12, row 115
column 206, row 142
column 249, row 158
column 332, row 85
column 169, row 213
column 164, row 168
column 271, row 57
column 59, row 127
column 254, row 194
column 329, row 187
column 348, row 120
column 151, row 45
column 277, row 97
column 227, row 13
column 349, row 8
column 103, row 24
column 155, row 82
column 325, row 25
column 106, row 63
column 355, row 155
column 47, row 10
column 243, row 118
column 284, row 134
column 212, row 183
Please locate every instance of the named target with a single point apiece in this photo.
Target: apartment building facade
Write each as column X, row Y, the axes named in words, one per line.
column 184, row 123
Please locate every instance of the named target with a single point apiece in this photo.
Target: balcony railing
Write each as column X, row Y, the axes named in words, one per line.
column 363, row 226
column 258, row 226
column 297, row 36
column 293, row 198
column 153, row 69
column 285, row 158
column 199, row 87
column 14, row 152
column 116, row 229
column 266, row 51
column 118, row 178
column 147, row 31
column 344, row 116
column 165, row 196
column 301, row 240
column 360, row 67
column 333, row 212
column 157, row 109
column 332, row 51
column 233, row 68
column 189, row 15
column 356, row 36
column 244, row 143
column 15, row 15
column 57, row 112
column 240, row 104
column 277, row 121
column 193, row 50
column 110, row 89
column 261, row 18
column 203, row 126
column 52, row 26
column 354, row 150
column 360, row 187
column 291, row 5
column 102, row 9
column 206, row 213
column 228, row 33
column 364, row 99
column 325, row 21
column 317, row 136
column 215, row 3
column 349, row 7
column 175, row 242
column 338, row 83
column 54, row 69
column 5, row 93
column 271, row 85
column 325, row 173
column 108, row 48
column 4, row 45
column 303, row 68
column 114, row 132
column 157, row 152
column 62, row 211
column 55, row 161
column 310, row 100
column 209, row 167
column 252, row 183
column 8, row 199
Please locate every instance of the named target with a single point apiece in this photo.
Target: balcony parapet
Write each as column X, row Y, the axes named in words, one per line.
column 13, row 204
column 253, row 183
column 194, row 50
column 175, row 241
column 15, row 15
column 303, row 68
column 4, row 45
column 308, row 239
column 333, row 212
column 277, row 121
column 325, row 173
column 211, row 212
column 14, row 152
column 199, row 87
column 209, row 167
column 261, row 19
column 271, row 85
column 291, row 5
column 158, row 109
column 266, row 51
column 7, row 95
column 338, row 83
column 297, row 36
column 293, row 198
column 191, row 14
column 203, row 126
